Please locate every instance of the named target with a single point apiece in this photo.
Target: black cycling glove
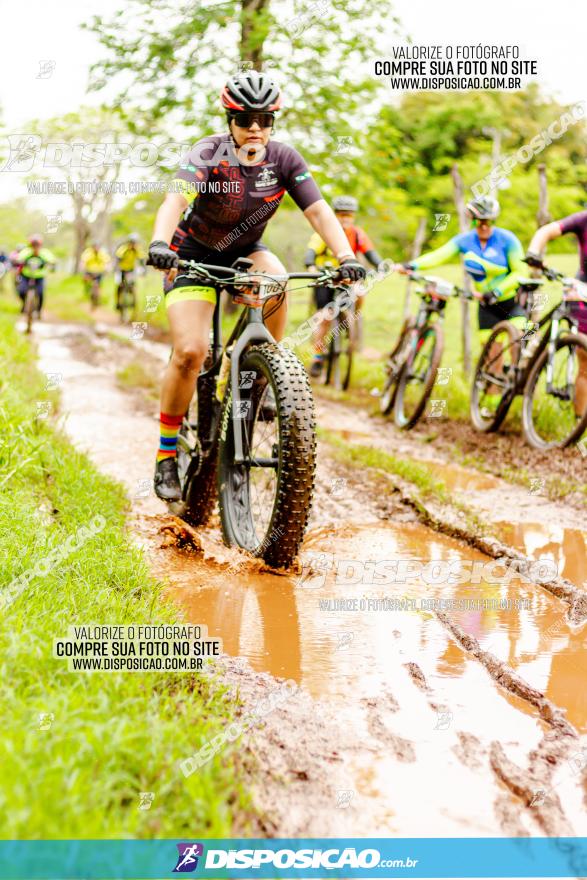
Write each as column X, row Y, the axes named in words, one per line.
column 534, row 260
column 161, row 256
column 350, row 270
column 489, row 298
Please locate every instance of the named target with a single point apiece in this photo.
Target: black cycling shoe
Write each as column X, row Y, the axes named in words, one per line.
column 316, row 368
column 166, row 481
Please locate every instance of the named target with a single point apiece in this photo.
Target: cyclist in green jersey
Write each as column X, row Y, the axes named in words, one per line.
column 493, row 259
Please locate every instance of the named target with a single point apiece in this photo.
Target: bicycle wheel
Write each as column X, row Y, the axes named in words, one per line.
column 339, row 363
column 197, row 452
column 265, row 501
column 549, row 416
column 127, row 304
column 494, row 383
column 418, row 376
column 94, row 295
column 29, row 308
column 393, row 367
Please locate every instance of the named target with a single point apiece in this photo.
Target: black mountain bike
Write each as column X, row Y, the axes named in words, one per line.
column 126, row 297
column 342, row 335
column 412, row 366
column 251, row 431
column 544, row 368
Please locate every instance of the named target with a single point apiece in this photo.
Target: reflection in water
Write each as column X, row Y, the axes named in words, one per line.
column 294, row 628
column 565, row 546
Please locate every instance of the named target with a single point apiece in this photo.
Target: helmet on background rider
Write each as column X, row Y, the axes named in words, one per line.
column 134, row 237
column 249, row 91
column 345, row 203
column 483, row 208
column 36, row 240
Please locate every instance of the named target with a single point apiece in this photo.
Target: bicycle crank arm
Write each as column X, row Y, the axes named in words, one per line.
column 262, row 462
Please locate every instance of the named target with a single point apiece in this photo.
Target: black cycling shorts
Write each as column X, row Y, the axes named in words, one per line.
column 489, row 316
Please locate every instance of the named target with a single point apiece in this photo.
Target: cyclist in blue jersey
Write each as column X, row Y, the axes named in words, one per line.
column 493, row 258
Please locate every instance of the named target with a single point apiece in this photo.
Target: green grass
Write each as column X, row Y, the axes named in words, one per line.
column 113, row 734
column 137, row 375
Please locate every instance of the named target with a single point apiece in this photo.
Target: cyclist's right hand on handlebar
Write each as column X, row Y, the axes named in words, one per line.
column 161, row 256
column 534, row 260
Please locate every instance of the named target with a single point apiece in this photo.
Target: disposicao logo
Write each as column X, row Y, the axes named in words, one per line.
column 187, row 860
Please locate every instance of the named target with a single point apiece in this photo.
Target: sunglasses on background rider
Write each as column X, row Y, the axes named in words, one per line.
column 246, row 118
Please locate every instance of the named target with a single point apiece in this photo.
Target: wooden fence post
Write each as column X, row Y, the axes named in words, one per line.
column 416, row 251
column 543, row 215
column 463, row 226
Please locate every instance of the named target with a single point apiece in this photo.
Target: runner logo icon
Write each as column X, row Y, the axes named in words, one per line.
column 187, row 860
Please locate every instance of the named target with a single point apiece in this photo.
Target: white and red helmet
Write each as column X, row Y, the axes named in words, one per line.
column 251, row 91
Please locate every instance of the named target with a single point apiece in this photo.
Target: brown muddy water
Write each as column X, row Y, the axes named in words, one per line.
column 418, row 709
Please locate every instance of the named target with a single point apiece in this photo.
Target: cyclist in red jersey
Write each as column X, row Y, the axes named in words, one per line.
column 319, row 254
column 577, row 225
column 227, row 189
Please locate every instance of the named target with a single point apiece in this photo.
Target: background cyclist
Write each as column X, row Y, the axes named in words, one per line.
column 95, row 262
column 228, row 186
column 577, row 225
column 492, row 257
column 127, row 256
column 319, row 254
column 34, row 262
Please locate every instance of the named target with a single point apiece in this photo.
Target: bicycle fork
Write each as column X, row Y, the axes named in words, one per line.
column 255, row 331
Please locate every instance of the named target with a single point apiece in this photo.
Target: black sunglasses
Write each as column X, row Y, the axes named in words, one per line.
column 246, row 119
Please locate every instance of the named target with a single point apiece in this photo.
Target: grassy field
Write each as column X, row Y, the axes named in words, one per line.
column 103, row 738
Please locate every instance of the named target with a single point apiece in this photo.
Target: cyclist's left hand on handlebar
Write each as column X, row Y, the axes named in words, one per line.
column 350, row 270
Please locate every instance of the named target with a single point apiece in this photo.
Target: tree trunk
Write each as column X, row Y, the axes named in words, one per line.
column 543, row 215
column 463, row 225
column 252, row 33
column 416, row 251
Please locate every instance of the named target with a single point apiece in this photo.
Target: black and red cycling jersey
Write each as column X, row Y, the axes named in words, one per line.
column 232, row 202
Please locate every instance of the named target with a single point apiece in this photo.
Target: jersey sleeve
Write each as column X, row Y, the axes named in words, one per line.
column 298, row 181
column 574, row 223
column 192, row 172
column 120, row 250
column 441, row 255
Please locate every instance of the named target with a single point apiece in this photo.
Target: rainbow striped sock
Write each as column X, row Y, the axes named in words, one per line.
column 170, row 426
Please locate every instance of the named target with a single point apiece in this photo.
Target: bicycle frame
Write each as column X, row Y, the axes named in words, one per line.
column 248, row 329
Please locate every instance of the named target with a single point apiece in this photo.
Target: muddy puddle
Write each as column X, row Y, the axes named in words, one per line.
column 412, row 707
column 360, row 609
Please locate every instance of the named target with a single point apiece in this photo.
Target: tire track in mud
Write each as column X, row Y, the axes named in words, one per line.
column 379, row 744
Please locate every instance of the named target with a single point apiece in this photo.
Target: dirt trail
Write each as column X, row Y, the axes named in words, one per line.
column 391, row 702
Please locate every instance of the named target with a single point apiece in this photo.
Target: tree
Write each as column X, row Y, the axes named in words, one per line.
column 92, row 176
column 173, row 57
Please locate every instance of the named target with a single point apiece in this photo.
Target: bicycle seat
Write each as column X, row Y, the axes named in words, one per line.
column 531, row 283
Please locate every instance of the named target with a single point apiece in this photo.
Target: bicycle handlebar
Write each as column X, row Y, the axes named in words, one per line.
column 454, row 289
column 240, row 276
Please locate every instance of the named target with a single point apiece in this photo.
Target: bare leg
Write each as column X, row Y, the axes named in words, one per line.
column 581, row 383
column 189, row 323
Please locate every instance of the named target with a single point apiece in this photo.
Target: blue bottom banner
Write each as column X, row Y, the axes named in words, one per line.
column 309, row 858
